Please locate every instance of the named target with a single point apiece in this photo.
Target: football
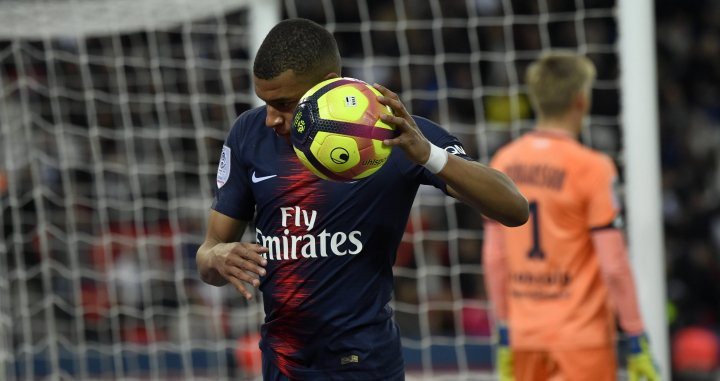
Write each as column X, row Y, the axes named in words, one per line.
column 337, row 132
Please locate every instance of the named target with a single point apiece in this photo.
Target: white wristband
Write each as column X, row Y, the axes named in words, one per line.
column 437, row 159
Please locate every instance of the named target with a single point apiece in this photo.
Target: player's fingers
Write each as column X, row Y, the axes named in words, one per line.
column 240, row 287
column 392, row 142
column 395, row 104
column 243, row 263
column 384, row 90
column 392, row 100
column 253, row 268
column 398, row 140
column 252, row 252
column 244, row 276
column 400, row 123
column 258, row 248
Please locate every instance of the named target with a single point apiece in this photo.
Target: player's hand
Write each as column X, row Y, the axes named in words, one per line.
column 240, row 263
column 640, row 364
column 409, row 137
column 503, row 355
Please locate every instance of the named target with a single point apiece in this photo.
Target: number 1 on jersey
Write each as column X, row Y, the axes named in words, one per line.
column 535, row 252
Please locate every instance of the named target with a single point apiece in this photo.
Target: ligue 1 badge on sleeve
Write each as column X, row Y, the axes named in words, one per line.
column 223, row 172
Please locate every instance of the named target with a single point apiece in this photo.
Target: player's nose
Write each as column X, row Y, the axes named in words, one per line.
column 273, row 119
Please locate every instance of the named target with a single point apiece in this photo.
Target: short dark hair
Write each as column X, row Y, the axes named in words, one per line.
column 301, row 45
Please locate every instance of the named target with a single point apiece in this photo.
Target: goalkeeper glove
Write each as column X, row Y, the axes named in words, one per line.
column 640, row 364
column 503, row 355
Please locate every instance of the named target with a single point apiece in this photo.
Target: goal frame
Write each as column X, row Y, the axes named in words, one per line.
column 640, row 127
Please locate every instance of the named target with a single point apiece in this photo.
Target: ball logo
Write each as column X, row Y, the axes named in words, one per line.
column 299, row 123
column 350, row 101
column 339, row 155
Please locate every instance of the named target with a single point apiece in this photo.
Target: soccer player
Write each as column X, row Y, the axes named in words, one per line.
column 323, row 250
column 555, row 281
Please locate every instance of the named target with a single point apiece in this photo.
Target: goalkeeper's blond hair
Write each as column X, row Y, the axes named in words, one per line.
column 555, row 79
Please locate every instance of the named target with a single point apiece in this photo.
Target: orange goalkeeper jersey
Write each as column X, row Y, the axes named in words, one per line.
column 556, row 296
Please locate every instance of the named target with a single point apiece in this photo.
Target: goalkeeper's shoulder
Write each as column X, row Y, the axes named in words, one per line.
column 595, row 162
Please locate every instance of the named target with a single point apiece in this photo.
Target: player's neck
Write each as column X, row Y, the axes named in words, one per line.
column 562, row 125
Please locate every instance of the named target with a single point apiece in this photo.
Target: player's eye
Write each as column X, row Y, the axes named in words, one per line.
column 285, row 106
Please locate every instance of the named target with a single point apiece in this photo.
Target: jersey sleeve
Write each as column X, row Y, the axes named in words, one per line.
column 615, row 267
column 603, row 204
column 441, row 138
column 233, row 196
column 494, row 260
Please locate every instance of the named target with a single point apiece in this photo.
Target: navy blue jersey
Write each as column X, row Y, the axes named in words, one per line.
column 331, row 250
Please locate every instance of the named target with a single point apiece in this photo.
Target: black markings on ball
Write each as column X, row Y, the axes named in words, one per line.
column 339, row 155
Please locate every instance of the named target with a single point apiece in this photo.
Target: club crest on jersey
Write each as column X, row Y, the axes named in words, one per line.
column 349, row 359
column 223, row 172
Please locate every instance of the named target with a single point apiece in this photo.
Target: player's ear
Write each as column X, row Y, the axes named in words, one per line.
column 581, row 102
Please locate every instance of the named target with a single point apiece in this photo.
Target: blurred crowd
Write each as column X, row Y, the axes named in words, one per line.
column 688, row 55
column 124, row 153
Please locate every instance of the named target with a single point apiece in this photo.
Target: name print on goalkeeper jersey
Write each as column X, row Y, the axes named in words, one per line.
column 331, row 250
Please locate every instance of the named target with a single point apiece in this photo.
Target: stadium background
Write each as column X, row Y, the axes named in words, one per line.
column 102, row 211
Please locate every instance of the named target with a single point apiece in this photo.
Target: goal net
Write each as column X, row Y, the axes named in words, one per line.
column 112, row 117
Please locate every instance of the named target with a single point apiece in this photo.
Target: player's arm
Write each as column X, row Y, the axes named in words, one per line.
column 496, row 270
column 614, row 264
column 615, row 267
column 221, row 259
column 603, row 209
column 611, row 251
column 496, row 282
column 484, row 188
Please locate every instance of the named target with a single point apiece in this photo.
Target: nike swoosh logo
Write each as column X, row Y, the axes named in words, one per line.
column 256, row 179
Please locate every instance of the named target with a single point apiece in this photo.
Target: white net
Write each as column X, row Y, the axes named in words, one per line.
column 109, row 144
column 112, row 115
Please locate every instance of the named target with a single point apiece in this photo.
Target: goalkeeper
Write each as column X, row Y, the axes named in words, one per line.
column 555, row 281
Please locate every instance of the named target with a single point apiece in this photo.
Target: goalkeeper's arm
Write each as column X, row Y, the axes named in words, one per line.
column 496, row 273
column 614, row 264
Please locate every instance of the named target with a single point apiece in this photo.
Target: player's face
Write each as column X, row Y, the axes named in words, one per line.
column 281, row 95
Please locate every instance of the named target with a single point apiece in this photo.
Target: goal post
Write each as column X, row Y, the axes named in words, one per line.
column 642, row 168
column 264, row 15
